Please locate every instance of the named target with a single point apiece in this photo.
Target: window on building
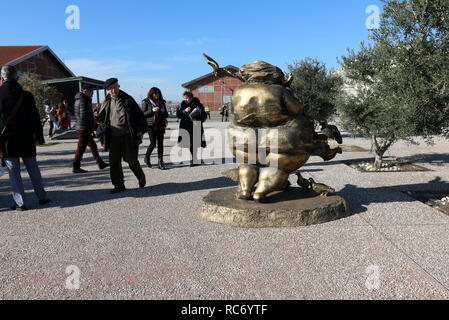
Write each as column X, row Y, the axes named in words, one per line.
column 206, row 89
column 227, row 99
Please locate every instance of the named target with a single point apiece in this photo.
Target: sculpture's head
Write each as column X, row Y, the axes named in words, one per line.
column 256, row 72
column 262, row 72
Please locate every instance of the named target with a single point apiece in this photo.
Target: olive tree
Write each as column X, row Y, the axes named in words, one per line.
column 316, row 87
column 41, row 93
column 399, row 82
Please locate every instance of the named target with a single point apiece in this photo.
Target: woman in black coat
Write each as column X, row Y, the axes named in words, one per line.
column 192, row 115
column 156, row 113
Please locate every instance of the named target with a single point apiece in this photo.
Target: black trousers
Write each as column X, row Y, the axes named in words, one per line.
column 155, row 138
column 52, row 126
column 124, row 148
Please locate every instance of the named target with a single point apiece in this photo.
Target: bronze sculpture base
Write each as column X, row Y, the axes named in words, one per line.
column 291, row 208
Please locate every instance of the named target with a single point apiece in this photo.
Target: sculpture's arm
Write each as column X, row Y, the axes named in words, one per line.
column 221, row 72
column 292, row 103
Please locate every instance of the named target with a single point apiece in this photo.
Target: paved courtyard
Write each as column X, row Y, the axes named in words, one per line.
column 151, row 244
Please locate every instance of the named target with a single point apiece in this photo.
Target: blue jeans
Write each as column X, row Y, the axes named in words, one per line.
column 18, row 192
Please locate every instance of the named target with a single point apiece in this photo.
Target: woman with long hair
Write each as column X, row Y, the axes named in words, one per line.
column 156, row 113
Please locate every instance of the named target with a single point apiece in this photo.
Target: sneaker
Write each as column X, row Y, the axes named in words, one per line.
column 118, row 189
column 17, row 208
column 44, row 202
column 79, row 170
column 103, row 165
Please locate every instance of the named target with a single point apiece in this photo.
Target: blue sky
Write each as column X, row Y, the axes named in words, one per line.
column 159, row 43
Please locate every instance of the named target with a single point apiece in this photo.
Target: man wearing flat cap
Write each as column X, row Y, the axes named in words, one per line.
column 86, row 126
column 126, row 125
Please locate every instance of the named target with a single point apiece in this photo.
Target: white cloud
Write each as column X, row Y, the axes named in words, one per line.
column 113, row 68
column 131, row 74
column 94, row 69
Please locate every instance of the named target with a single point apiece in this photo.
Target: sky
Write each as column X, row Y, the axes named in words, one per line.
column 160, row 43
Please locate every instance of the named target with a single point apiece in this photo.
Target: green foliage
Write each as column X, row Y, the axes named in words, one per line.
column 401, row 79
column 316, row 87
column 41, row 92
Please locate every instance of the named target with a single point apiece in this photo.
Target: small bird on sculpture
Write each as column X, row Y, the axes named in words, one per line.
column 321, row 188
column 331, row 132
column 304, row 183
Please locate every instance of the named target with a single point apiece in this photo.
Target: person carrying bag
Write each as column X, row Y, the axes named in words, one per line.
column 21, row 131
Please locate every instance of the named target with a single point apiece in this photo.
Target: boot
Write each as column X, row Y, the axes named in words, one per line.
column 142, row 183
column 103, row 165
column 118, row 189
column 148, row 162
column 77, row 169
column 161, row 165
column 20, row 209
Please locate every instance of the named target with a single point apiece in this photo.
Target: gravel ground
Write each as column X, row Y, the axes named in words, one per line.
column 150, row 243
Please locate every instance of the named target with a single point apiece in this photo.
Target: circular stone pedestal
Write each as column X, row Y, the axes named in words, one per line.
column 291, row 208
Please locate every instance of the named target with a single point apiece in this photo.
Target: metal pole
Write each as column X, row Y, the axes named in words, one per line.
column 222, row 92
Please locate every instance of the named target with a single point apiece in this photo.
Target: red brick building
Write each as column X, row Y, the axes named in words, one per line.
column 214, row 91
column 43, row 62
column 40, row 60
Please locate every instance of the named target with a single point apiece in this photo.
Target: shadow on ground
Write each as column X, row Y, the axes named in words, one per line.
column 359, row 198
column 73, row 198
column 436, row 159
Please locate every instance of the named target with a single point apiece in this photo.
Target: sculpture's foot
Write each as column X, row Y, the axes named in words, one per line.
column 248, row 175
column 260, row 198
column 245, row 196
column 270, row 180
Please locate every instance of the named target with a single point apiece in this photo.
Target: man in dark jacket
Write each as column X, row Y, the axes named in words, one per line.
column 224, row 113
column 86, row 125
column 21, row 136
column 126, row 125
column 191, row 127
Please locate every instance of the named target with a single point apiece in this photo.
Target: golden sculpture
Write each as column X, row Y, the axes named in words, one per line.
column 264, row 101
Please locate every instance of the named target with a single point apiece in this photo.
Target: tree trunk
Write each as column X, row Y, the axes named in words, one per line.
column 378, row 160
column 379, row 150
